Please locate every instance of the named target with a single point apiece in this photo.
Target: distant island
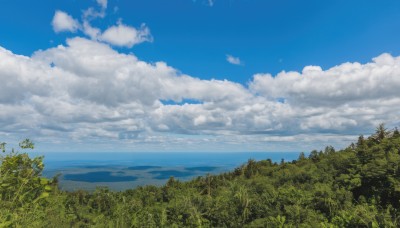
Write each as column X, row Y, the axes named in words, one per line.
column 358, row 186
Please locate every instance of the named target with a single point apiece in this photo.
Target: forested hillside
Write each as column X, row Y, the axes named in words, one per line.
column 355, row 187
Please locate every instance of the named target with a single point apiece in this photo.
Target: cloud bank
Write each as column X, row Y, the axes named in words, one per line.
column 86, row 91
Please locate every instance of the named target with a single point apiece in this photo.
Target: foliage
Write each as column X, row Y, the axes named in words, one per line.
column 22, row 188
column 355, row 187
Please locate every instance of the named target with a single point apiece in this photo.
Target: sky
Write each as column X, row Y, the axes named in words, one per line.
column 197, row 75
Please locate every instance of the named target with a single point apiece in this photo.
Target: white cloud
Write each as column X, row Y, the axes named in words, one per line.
column 126, row 36
column 86, row 91
column 64, row 22
column 118, row 35
column 102, row 3
column 91, row 14
column 233, row 60
column 346, row 83
column 90, row 31
column 211, row 2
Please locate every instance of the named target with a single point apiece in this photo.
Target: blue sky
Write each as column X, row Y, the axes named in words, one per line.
column 268, row 36
column 196, row 39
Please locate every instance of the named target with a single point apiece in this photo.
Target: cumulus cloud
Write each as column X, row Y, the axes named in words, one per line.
column 118, row 35
column 345, row 83
column 126, row 36
column 64, row 22
column 233, row 60
column 86, row 91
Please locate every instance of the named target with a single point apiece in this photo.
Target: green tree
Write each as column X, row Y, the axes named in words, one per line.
column 22, row 188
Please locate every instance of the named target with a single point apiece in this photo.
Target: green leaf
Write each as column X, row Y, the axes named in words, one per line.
column 44, row 195
column 44, row 181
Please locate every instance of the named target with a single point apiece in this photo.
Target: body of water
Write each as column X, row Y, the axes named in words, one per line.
column 120, row 171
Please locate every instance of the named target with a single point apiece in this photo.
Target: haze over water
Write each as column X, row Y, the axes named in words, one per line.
column 122, row 170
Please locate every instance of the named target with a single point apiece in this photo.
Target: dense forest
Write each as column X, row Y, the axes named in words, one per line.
column 358, row 186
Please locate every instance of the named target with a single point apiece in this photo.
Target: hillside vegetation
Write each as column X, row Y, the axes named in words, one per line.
column 355, row 187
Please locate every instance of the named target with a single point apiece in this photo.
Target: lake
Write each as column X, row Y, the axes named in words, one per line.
column 120, row 171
